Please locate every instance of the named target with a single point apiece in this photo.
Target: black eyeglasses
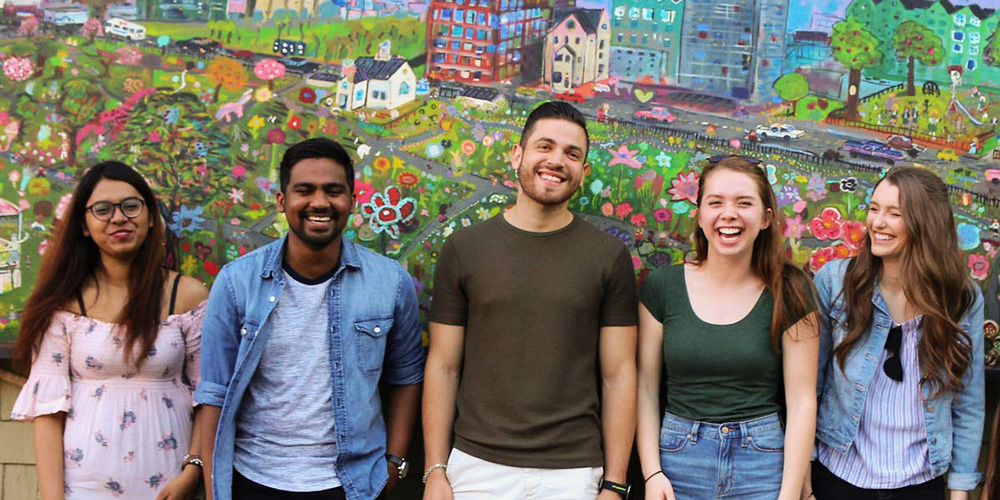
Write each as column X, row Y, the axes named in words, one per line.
column 748, row 159
column 893, row 366
column 105, row 210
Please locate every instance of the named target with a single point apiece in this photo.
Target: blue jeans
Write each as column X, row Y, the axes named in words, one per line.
column 737, row 460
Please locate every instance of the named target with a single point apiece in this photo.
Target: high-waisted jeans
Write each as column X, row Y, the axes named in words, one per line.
column 734, row 460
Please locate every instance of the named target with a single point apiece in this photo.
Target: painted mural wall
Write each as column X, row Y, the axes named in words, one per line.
column 203, row 97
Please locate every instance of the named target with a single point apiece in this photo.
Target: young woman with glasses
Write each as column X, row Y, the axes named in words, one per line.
column 901, row 364
column 113, row 342
column 734, row 331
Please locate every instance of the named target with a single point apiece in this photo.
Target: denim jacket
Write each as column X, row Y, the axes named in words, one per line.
column 374, row 329
column 954, row 421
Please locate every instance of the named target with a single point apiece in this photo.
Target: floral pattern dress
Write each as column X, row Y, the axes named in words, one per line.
column 127, row 430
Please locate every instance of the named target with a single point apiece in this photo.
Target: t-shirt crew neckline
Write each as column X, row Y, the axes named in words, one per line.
column 504, row 222
column 694, row 314
column 323, row 278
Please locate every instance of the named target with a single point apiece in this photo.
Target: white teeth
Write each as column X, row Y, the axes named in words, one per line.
column 550, row 178
column 883, row 237
column 319, row 219
column 729, row 231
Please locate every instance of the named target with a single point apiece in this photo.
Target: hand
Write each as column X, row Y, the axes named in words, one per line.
column 807, row 486
column 393, row 477
column 438, row 487
column 659, row 488
column 182, row 487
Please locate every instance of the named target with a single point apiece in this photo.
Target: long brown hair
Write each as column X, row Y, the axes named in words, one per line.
column 991, row 489
column 788, row 285
column 72, row 258
column 936, row 282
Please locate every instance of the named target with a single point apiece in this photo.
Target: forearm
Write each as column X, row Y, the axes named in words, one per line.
column 648, row 427
column 48, row 441
column 208, row 421
column 800, row 435
column 618, row 417
column 440, row 390
column 404, row 401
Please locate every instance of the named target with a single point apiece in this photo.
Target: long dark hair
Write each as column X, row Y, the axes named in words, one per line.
column 991, row 490
column 788, row 285
column 936, row 282
column 72, row 258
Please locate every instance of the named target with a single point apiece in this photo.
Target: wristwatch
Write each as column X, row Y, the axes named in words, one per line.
column 401, row 464
column 623, row 489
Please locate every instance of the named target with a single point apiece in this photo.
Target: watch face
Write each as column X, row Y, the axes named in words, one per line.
column 404, row 468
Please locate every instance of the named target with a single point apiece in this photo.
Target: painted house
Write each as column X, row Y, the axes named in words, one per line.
column 377, row 83
column 577, row 49
column 652, row 30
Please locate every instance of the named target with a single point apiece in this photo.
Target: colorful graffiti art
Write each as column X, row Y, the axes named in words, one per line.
column 203, row 97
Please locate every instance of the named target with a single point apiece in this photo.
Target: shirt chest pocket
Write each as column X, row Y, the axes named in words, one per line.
column 371, row 336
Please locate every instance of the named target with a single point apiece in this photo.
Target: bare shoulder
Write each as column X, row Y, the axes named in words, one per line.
column 190, row 293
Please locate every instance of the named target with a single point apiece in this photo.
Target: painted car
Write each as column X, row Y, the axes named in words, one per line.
column 873, row 149
column 993, row 175
column 904, row 143
column 779, row 131
column 570, row 96
column 602, row 88
column 948, row 155
column 658, row 113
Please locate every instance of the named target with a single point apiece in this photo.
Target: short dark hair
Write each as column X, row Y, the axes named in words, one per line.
column 319, row 147
column 558, row 110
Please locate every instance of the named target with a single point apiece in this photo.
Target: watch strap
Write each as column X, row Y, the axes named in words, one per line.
column 623, row 489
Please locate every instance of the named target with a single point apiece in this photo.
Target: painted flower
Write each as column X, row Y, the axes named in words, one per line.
column 488, row 141
column 638, row 220
column 468, row 147
column 262, row 94
column 433, row 150
column 979, row 267
column 382, row 165
column 853, row 233
column 596, row 186
column 663, row 159
column 295, row 123
column 482, row 213
column 256, row 123
column 624, row 156
column 849, row 185
column 236, row 195
column 816, row 187
column 275, row 136
column 607, row 209
column 407, row 179
column 187, row 220
column 662, row 215
column 968, row 236
column 788, row 195
column 623, row 209
column 820, row 257
column 307, row 95
column 685, row 187
column 363, row 192
column 386, row 211
column 828, row 226
column 794, row 227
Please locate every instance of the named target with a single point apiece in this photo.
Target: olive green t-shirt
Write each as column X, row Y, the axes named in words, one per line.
column 532, row 305
column 714, row 373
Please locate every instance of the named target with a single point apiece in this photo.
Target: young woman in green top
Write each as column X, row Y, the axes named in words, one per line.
column 735, row 332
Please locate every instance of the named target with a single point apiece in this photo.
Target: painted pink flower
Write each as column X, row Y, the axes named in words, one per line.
column 853, row 233
column 828, row 226
column 685, row 187
column 662, row 215
column 363, row 192
column 979, row 266
column 607, row 209
column 794, row 227
column 638, row 220
column 623, row 210
column 624, row 156
column 820, row 257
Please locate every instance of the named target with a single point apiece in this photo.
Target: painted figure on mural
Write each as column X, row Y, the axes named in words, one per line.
column 113, row 340
column 907, row 303
column 533, row 295
column 317, row 321
column 731, row 371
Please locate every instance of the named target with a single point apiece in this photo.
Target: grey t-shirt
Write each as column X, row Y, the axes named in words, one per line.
column 285, row 435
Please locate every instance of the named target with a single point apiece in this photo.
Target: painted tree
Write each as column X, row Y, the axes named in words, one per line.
column 228, row 73
column 99, row 6
column 29, row 26
column 916, row 42
column 79, row 103
column 129, row 56
column 991, row 54
column 269, row 70
column 856, row 48
column 18, row 69
column 91, row 28
column 792, row 87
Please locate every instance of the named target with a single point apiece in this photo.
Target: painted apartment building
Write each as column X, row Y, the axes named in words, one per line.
column 483, row 40
column 577, row 49
column 377, row 83
column 652, row 30
column 964, row 31
column 733, row 49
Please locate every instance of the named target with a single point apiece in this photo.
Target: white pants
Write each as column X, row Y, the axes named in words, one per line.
column 473, row 478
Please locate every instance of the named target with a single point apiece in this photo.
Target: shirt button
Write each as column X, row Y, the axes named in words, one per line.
column 271, row 298
column 378, row 329
column 933, row 440
column 243, row 331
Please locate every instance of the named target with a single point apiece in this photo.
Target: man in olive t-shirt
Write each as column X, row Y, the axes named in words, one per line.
column 531, row 310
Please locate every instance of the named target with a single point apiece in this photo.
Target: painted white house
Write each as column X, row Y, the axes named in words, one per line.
column 377, row 84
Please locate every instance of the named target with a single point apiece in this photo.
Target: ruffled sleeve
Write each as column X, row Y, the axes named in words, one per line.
column 191, row 331
column 48, row 389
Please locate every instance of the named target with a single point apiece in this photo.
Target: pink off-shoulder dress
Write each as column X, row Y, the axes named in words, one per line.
column 127, row 430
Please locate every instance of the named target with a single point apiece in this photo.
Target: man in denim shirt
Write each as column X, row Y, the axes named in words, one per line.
column 295, row 340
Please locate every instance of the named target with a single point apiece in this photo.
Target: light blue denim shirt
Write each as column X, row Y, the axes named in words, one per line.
column 374, row 328
column 954, row 421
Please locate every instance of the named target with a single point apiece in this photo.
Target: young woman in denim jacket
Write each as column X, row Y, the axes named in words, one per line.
column 901, row 360
column 735, row 332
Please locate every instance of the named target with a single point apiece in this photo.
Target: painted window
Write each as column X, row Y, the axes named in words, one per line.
column 956, row 47
column 467, row 46
column 481, row 19
column 620, row 11
column 556, row 77
column 973, row 50
column 470, row 33
column 470, row 17
column 456, row 45
column 456, row 31
column 971, row 64
column 359, row 95
column 959, row 19
column 958, row 36
column 459, row 15
column 571, row 24
column 974, row 37
column 647, row 14
column 481, row 35
column 633, row 13
column 345, row 84
column 404, row 88
column 974, row 21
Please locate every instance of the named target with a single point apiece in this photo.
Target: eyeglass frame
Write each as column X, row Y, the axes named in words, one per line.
column 117, row 207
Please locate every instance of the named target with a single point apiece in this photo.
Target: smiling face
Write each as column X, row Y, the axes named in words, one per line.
column 317, row 202
column 886, row 227
column 552, row 163
column 731, row 213
column 120, row 237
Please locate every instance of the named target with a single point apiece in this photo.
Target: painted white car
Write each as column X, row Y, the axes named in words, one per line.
column 602, row 88
column 779, row 131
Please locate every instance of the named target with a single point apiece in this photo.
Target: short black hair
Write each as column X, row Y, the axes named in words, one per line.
column 319, row 147
column 554, row 110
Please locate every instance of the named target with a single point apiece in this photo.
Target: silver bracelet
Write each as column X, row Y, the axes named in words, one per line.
column 427, row 473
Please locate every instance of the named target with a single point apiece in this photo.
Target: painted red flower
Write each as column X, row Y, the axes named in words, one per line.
column 820, row 257
column 295, row 123
column 685, row 187
column 387, row 211
column 407, row 179
column 307, row 95
column 828, row 226
column 853, row 233
column 979, row 266
column 662, row 215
